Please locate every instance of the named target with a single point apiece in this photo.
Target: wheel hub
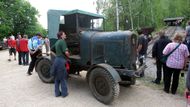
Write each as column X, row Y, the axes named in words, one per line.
column 101, row 86
column 45, row 71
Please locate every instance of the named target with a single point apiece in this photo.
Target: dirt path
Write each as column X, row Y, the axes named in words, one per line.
column 19, row 90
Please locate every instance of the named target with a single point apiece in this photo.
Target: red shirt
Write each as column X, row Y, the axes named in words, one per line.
column 24, row 45
column 11, row 43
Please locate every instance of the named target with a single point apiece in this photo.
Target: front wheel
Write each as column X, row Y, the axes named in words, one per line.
column 43, row 69
column 102, row 85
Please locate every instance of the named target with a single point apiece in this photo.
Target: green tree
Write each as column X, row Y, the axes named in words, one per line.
column 18, row 16
column 144, row 13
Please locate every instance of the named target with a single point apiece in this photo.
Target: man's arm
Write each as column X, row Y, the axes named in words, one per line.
column 154, row 48
column 53, row 51
column 140, row 42
column 67, row 53
column 139, row 48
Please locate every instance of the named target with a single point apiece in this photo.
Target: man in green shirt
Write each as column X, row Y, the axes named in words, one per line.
column 59, row 69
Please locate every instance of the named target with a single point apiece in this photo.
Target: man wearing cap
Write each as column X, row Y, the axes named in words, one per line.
column 35, row 49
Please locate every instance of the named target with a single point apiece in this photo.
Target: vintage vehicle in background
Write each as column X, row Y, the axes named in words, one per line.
column 3, row 45
column 173, row 25
column 174, row 21
column 108, row 57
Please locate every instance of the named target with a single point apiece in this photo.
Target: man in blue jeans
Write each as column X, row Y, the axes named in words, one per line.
column 58, row 68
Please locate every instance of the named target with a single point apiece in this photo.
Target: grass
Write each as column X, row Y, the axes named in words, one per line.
column 147, row 82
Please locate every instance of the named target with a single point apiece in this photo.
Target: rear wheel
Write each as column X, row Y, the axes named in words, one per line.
column 43, row 70
column 103, row 86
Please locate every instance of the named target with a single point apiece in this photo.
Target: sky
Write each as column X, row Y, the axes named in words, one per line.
column 44, row 5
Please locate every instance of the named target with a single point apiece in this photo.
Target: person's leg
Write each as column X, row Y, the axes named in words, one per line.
column 27, row 57
column 61, row 74
column 64, row 91
column 20, row 58
column 164, row 70
column 175, row 81
column 141, row 60
column 10, row 54
column 23, row 58
column 32, row 64
column 158, row 72
column 14, row 52
column 167, row 82
column 57, row 91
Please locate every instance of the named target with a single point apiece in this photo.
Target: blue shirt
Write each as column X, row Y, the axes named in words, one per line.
column 34, row 43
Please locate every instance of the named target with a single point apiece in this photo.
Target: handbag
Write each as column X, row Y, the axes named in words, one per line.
column 165, row 57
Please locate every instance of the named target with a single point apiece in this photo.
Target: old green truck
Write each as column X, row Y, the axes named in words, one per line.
column 108, row 57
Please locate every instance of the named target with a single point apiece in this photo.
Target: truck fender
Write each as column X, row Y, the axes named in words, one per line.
column 107, row 67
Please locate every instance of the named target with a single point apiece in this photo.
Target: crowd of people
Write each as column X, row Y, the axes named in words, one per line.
column 20, row 46
column 171, row 57
column 25, row 47
column 33, row 47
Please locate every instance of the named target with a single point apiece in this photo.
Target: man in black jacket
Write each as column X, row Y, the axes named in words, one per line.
column 142, row 50
column 157, row 54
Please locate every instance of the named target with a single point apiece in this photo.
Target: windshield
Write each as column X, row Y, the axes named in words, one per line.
column 88, row 23
column 97, row 24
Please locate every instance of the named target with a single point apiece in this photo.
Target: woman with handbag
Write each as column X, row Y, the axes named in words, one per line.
column 176, row 61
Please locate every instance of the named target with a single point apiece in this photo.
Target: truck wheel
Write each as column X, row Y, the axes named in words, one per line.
column 103, row 86
column 43, row 70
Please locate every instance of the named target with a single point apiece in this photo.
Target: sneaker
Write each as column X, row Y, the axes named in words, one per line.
column 29, row 73
column 58, row 95
column 9, row 59
column 167, row 91
column 65, row 95
column 173, row 92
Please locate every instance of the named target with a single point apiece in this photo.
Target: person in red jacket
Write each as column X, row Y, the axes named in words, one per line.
column 12, row 47
column 24, row 49
column 18, row 49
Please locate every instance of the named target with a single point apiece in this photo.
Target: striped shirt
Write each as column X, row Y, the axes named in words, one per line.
column 177, row 58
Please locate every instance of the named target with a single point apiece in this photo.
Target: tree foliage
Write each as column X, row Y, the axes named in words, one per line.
column 142, row 13
column 18, row 16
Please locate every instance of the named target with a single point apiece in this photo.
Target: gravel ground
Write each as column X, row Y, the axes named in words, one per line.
column 19, row 90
